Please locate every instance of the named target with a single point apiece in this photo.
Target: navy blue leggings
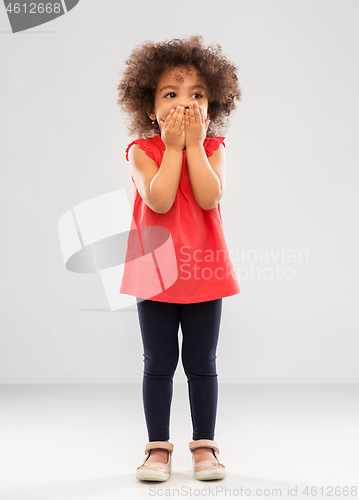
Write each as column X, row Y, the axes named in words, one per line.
column 159, row 323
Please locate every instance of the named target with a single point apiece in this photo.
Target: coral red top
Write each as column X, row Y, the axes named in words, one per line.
column 180, row 256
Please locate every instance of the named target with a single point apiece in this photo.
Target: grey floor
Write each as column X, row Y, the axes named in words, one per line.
column 85, row 442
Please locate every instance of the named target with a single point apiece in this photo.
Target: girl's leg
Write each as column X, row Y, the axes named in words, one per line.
column 159, row 322
column 200, row 323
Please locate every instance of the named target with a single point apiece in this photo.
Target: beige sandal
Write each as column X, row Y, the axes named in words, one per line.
column 207, row 469
column 156, row 471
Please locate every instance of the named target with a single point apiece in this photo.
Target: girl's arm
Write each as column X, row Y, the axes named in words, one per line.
column 157, row 186
column 207, row 175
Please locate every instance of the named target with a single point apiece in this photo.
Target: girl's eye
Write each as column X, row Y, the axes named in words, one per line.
column 199, row 96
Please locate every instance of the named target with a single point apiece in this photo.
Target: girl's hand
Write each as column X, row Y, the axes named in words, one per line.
column 172, row 129
column 196, row 125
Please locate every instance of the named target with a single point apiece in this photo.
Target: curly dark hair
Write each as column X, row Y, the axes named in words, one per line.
column 150, row 60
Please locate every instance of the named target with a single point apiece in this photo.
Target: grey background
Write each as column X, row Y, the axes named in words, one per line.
column 292, row 179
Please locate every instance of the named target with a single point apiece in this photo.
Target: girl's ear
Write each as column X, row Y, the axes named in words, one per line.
column 151, row 114
column 207, row 123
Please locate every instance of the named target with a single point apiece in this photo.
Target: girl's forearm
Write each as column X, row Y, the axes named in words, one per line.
column 164, row 185
column 205, row 182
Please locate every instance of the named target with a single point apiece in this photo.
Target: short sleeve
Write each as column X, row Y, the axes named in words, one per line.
column 213, row 143
column 145, row 145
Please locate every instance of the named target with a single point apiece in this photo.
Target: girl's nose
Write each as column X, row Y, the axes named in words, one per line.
column 185, row 104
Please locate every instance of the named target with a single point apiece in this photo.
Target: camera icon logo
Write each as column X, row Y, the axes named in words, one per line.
column 100, row 235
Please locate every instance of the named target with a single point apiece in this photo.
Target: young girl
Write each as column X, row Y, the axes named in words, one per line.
column 178, row 95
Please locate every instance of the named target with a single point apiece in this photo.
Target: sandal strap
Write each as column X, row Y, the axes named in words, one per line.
column 203, row 443
column 155, row 466
column 163, row 445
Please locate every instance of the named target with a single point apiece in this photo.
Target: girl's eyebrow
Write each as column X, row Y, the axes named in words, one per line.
column 199, row 86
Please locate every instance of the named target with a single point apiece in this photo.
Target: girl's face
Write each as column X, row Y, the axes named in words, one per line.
column 175, row 88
